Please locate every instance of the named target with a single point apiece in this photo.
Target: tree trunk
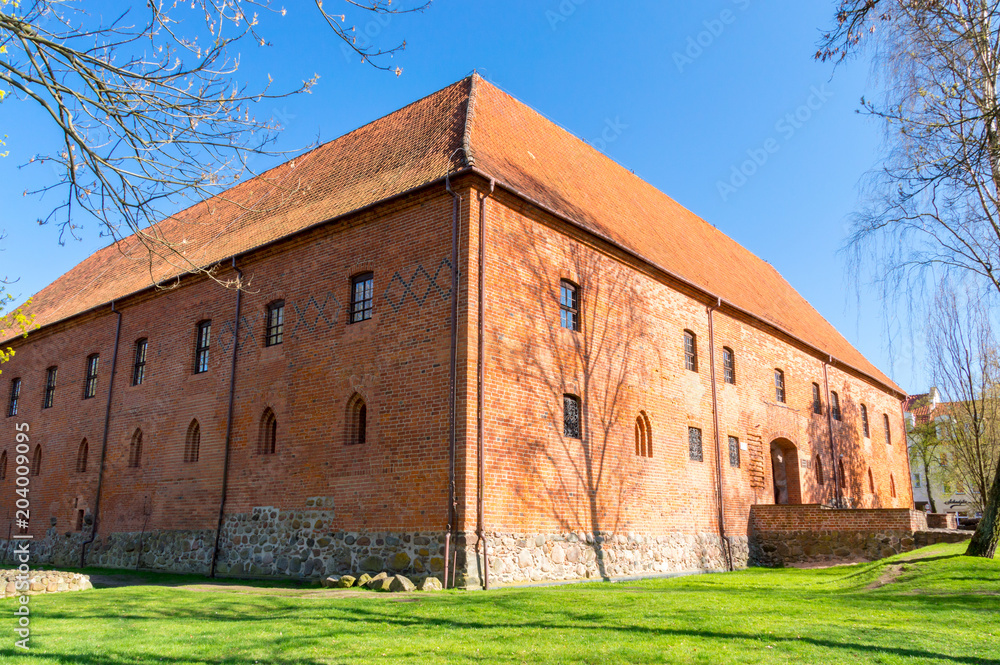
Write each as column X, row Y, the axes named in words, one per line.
column 927, row 484
column 984, row 542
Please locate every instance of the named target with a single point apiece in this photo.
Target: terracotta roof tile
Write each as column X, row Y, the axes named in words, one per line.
column 504, row 139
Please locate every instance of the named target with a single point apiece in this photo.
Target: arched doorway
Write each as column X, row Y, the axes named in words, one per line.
column 785, row 472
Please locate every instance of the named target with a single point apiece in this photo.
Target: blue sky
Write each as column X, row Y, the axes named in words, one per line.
column 682, row 93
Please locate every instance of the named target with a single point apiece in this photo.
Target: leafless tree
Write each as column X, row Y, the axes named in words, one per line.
column 965, row 368
column 933, row 209
column 149, row 103
column 924, row 451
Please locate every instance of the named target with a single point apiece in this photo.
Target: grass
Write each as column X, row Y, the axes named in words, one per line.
column 939, row 608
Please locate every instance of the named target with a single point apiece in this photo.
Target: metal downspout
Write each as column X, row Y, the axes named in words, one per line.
column 480, row 391
column 229, row 418
column 718, row 445
column 452, row 390
column 837, row 480
column 104, row 440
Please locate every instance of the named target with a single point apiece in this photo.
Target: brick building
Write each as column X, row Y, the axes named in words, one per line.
column 604, row 387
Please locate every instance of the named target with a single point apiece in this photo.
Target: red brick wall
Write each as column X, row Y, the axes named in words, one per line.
column 789, row 519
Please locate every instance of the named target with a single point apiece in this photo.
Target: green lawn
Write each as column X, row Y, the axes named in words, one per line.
column 942, row 608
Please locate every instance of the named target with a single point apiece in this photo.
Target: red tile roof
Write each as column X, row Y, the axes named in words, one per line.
column 503, row 139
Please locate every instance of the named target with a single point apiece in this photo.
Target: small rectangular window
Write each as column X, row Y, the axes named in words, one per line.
column 362, row 296
column 15, row 395
column 50, row 388
column 569, row 305
column 729, row 365
column 139, row 364
column 864, row 422
column 916, row 480
column 694, row 444
column 690, row 351
column 835, row 405
column 90, row 383
column 817, row 402
column 202, row 343
column 734, row 452
column 275, row 323
column 779, row 386
column 571, row 416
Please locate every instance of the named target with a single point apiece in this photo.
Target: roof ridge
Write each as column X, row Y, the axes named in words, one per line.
column 470, row 112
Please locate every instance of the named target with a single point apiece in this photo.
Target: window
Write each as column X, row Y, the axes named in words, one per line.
column 817, row 401
column 267, row 436
column 888, row 431
column 944, row 459
column 202, row 343
column 916, row 480
column 15, row 394
column 779, row 386
column 947, row 487
column 871, row 481
column 569, row 305
column 690, row 351
column 36, row 461
column 50, row 388
column 192, row 442
column 643, row 435
column 728, row 365
column 864, row 422
column 275, row 323
column 362, row 290
column 357, row 421
column 843, row 474
column 81, row 457
column 734, row 452
column 135, row 450
column 90, row 383
column 571, row 416
column 892, row 485
column 835, row 405
column 694, row 444
column 139, row 364
column 3, row 465
column 819, row 471
column 79, row 519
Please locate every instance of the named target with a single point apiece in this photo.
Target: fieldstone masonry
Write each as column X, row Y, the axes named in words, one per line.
column 42, row 581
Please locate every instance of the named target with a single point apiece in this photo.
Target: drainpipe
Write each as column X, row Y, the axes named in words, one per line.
column 833, row 447
column 480, row 376
column 452, row 388
column 104, row 440
column 718, row 445
column 229, row 418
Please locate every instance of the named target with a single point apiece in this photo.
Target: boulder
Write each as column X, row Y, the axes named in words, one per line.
column 330, row 582
column 400, row 583
column 363, row 579
column 371, row 564
column 400, row 561
column 345, row 582
column 430, row 584
column 380, row 583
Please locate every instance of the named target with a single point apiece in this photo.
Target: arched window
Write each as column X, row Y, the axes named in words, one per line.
column 817, row 400
column 36, row 461
column 643, row 435
column 357, row 421
column 888, row 432
column 81, row 457
column 135, row 450
column 729, row 365
column 690, row 351
column 871, row 481
column 192, row 443
column 843, row 474
column 779, row 386
column 819, row 471
column 835, row 405
column 892, row 485
column 864, row 422
column 267, row 436
column 3, row 465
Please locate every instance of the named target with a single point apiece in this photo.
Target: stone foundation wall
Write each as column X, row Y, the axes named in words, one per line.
column 41, row 581
column 517, row 557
